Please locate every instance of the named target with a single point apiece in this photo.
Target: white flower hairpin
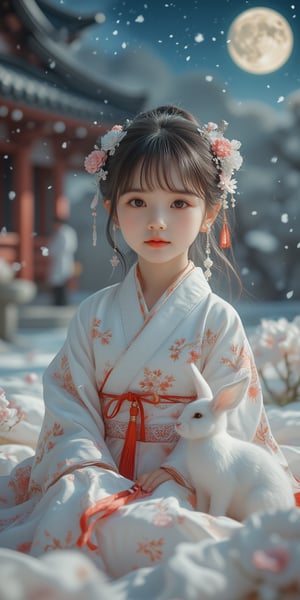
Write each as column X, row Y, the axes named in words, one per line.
column 96, row 160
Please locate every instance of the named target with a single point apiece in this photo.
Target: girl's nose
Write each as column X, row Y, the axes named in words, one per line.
column 156, row 227
column 157, row 223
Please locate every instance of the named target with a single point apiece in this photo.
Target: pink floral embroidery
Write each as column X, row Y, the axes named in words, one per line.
column 196, row 347
column 35, row 488
column 263, row 434
column 162, row 519
column 193, row 356
column 179, row 346
column 155, row 381
column 25, row 547
column 241, row 359
column 20, row 483
column 57, row 544
column 65, row 463
column 48, row 441
column 8, row 521
column 152, row 549
column 254, row 390
column 104, row 337
column 66, row 379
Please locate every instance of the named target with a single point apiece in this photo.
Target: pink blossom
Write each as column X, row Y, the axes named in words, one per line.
column 94, row 161
column 276, row 349
column 222, row 147
column 273, row 560
column 30, row 378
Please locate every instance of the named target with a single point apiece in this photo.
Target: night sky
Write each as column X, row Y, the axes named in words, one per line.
column 169, row 30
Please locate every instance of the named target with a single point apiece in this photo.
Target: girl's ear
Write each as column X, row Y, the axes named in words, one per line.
column 210, row 216
column 107, row 205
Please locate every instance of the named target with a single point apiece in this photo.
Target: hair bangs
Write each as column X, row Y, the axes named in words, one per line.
column 163, row 167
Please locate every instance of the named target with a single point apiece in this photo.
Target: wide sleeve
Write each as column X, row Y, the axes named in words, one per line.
column 226, row 357
column 72, row 435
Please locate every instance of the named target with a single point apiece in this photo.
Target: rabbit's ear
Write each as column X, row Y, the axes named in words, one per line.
column 230, row 396
column 202, row 388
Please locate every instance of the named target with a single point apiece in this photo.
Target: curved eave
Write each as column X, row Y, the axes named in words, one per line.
column 72, row 20
column 44, row 40
column 33, row 18
column 76, row 78
column 22, row 88
column 55, row 21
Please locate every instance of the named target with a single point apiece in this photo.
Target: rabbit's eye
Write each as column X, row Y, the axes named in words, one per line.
column 198, row 415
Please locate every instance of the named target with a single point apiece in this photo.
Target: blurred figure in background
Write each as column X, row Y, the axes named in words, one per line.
column 62, row 247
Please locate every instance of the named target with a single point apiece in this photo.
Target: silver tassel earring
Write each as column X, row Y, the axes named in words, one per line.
column 208, row 263
column 114, row 261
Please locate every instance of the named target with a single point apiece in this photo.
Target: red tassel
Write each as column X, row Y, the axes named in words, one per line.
column 297, row 499
column 127, row 460
column 107, row 506
column 225, row 241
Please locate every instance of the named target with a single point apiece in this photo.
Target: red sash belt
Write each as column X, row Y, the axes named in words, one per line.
column 102, row 509
column 127, row 460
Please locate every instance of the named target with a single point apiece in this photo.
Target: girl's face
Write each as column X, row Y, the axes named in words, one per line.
column 161, row 225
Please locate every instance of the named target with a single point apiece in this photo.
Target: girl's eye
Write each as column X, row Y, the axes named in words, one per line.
column 137, row 202
column 179, row 204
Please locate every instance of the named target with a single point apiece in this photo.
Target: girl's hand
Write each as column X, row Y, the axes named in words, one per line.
column 150, row 481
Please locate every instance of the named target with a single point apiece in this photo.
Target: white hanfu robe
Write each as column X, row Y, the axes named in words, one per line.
column 116, row 348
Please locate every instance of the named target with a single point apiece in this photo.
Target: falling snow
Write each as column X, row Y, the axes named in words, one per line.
column 182, row 40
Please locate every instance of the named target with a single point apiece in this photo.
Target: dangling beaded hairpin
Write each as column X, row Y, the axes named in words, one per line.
column 227, row 159
column 95, row 162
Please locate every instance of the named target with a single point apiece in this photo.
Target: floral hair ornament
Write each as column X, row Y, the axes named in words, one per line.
column 227, row 159
column 95, row 162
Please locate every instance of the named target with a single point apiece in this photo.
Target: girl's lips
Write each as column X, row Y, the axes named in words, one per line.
column 156, row 243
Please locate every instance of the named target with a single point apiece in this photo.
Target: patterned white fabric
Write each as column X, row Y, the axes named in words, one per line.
column 115, row 343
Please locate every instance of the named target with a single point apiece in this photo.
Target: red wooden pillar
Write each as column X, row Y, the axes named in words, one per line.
column 2, row 221
column 61, row 202
column 23, row 185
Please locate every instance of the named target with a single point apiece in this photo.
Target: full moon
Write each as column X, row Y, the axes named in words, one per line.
column 260, row 40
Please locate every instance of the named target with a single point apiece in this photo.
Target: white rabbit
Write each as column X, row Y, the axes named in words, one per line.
column 236, row 477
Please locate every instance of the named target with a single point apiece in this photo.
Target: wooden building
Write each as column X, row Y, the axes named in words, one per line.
column 51, row 111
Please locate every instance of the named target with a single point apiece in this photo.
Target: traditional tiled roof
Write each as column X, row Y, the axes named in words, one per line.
column 25, row 85
column 61, row 85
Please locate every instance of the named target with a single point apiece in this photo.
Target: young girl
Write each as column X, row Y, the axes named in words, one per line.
column 115, row 390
